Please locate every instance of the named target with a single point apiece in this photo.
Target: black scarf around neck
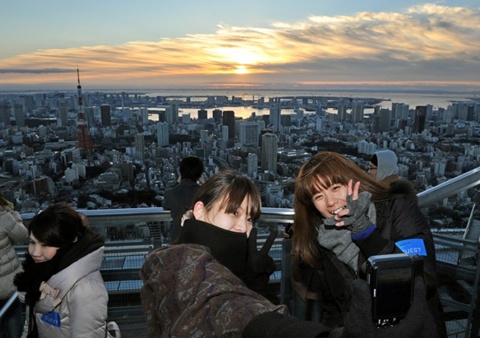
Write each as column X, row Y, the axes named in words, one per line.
column 228, row 247
column 35, row 273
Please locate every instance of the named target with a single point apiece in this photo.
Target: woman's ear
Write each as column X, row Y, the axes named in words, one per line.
column 199, row 210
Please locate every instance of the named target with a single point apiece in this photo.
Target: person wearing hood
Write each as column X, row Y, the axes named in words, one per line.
column 61, row 283
column 383, row 167
column 209, row 283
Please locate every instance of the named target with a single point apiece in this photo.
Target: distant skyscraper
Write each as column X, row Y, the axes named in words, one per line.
column 381, row 119
column 318, row 124
column 249, row 134
column 144, row 115
column 341, row 110
column 269, row 152
column 252, row 165
column 225, row 133
column 163, row 138
column 5, row 113
column 171, row 113
column 420, row 119
column 228, row 119
column 275, row 120
column 140, row 147
column 105, row 115
column 19, row 114
column 217, row 115
column 62, row 112
column 358, row 108
column 202, row 114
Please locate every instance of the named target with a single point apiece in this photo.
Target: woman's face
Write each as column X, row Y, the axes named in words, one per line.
column 331, row 201
column 39, row 251
column 237, row 221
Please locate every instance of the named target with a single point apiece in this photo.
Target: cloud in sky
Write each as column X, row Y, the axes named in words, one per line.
column 429, row 44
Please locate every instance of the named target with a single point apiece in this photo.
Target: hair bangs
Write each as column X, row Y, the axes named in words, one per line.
column 237, row 192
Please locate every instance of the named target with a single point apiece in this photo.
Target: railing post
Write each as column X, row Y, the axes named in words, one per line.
column 285, row 281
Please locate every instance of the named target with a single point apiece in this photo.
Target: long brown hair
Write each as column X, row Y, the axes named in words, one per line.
column 320, row 172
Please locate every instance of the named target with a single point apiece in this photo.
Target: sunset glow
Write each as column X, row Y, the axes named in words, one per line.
column 427, row 43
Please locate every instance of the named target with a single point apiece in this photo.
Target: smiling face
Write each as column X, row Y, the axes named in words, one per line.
column 238, row 220
column 39, row 251
column 331, row 201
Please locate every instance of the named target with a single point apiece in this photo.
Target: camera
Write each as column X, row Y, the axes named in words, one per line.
column 391, row 279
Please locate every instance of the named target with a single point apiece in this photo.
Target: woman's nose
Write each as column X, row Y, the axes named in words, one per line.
column 242, row 225
column 36, row 251
column 331, row 200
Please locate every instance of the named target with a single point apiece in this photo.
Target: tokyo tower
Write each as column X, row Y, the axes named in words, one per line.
column 84, row 142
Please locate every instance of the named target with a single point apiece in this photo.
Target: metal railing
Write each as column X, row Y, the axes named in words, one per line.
column 151, row 224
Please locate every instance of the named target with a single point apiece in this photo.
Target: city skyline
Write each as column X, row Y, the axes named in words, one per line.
column 248, row 44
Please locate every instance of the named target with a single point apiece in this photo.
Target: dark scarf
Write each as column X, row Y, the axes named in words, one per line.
column 228, row 247
column 35, row 273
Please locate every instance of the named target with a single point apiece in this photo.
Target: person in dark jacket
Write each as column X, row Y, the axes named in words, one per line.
column 342, row 217
column 179, row 199
column 209, row 283
column 338, row 224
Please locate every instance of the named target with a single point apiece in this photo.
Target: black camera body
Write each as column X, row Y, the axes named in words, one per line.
column 391, row 278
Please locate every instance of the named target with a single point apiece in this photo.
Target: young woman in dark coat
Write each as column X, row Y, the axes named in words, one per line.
column 343, row 217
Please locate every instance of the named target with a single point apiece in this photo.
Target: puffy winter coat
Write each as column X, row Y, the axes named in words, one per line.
column 74, row 301
column 12, row 231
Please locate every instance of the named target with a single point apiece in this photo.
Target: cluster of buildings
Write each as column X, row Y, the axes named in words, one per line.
column 116, row 150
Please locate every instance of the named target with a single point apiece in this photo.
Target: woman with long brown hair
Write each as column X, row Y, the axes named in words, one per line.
column 342, row 217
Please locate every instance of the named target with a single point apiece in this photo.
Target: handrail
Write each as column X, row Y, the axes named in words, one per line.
column 8, row 303
column 449, row 188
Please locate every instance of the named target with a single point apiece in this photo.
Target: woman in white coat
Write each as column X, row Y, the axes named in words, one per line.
column 64, row 288
column 12, row 231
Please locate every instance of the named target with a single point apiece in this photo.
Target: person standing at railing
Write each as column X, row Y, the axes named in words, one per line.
column 383, row 167
column 179, row 199
column 12, row 231
column 208, row 284
column 342, row 217
column 61, row 282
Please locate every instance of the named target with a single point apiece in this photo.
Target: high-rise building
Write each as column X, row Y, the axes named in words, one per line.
column 275, row 119
column 252, row 165
column 420, row 119
column 163, row 138
column 358, row 109
column 19, row 114
column 381, row 119
column 269, row 152
column 228, row 119
column 342, row 110
column 140, row 147
column 202, row 114
column 105, row 115
column 171, row 113
column 62, row 112
column 217, row 115
column 5, row 113
column 249, row 133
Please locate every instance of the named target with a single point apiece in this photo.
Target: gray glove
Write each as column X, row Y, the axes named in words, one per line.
column 357, row 220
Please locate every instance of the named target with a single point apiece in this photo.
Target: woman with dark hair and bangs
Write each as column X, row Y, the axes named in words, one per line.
column 342, row 217
column 209, row 283
column 61, row 282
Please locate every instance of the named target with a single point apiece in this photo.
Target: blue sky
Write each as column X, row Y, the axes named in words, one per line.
column 262, row 43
